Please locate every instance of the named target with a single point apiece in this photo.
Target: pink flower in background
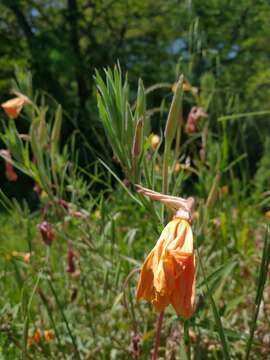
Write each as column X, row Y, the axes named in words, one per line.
column 194, row 115
column 71, row 255
column 47, row 232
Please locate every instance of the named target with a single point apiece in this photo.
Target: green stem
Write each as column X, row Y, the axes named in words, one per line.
column 65, row 320
column 187, row 338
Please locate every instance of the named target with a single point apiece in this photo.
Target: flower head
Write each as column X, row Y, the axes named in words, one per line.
column 14, row 106
column 168, row 273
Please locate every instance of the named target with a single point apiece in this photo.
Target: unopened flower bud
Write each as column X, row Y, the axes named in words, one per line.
column 174, row 112
column 71, row 268
column 10, row 172
column 63, row 203
column 193, row 117
column 137, row 141
column 155, row 140
column 47, row 232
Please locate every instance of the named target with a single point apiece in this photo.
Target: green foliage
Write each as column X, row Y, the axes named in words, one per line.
column 81, row 287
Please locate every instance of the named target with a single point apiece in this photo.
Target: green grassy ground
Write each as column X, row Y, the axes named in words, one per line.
column 92, row 312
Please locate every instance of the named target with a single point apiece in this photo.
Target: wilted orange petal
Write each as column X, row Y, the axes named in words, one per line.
column 183, row 295
column 13, row 107
column 168, row 274
column 160, row 301
column 145, row 287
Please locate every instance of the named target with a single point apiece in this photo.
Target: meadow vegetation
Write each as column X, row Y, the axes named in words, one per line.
column 75, row 230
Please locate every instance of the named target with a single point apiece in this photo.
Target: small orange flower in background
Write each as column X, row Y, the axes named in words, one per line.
column 49, row 335
column 225, row 189
column 14, row 106
column 267, row 215
column 34, row 339
column 177, row 168
column 157, row 168
column 10, row 173
column 168, row 273
column 186, row 87
column 155, row 140
column 27, row 257
column 24, row 256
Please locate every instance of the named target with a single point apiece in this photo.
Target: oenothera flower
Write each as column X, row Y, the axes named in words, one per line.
column 14, row 106
column 168, row 273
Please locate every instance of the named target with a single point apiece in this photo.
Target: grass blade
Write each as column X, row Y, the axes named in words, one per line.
column 220, row 329
column 261, row 283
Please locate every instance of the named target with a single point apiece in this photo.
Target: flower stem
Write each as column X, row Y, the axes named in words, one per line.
column 157, row 341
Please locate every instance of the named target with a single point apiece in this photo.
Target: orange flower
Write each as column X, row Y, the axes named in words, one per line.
column 34, row 339
column 48, row 335
column 225, row 189
column 168, row 273
column 14, row 106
